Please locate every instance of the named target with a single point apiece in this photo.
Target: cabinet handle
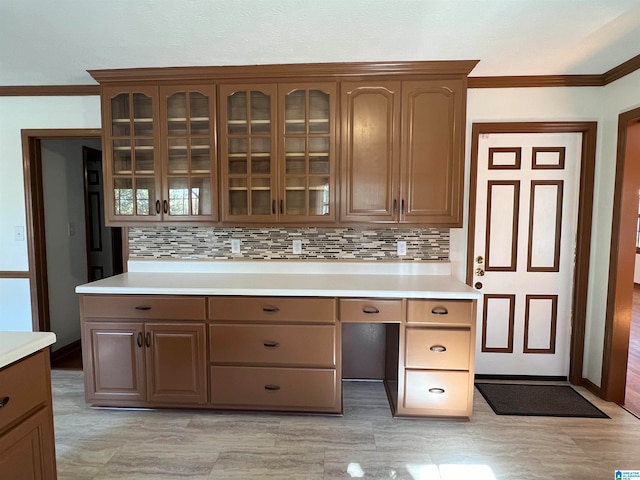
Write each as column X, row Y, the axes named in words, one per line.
column 273, row 207
column 438, row 348
column 270, row 309
column 147, row 339
column 157, row 206
column 165, row 207
column 437, row 391
column 370, row 310
column 271, row 344
column 402, row 206
column 440, row 311
column 281, row 206
column 143, row 307
column 395, row 206
column 4, row 401
column 139, row 339
column 272, row 387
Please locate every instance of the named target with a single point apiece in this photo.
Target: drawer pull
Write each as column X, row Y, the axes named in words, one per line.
column 4, row 401
column 139, row 339
column 271, row 344
column 440, row 311
column 272, row 387
column 370, row 310
column 438, row 348
column 270, row 309
column 143, row 307
column 436, row 390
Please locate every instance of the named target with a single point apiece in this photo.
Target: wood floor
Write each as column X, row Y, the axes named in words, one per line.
column 632, row 392
column 366, row 442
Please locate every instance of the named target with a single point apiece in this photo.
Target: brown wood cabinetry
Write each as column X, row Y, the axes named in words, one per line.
column 436, row 376
column 132, row 359
column 402, row 151
column 277, row 144
column 27, row 447
column 159, row 154
column 270, row 353
column 400, row 135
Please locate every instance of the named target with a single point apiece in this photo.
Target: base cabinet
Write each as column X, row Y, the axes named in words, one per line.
column 27, row 445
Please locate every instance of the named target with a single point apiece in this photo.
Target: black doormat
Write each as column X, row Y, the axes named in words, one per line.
column 537, row 400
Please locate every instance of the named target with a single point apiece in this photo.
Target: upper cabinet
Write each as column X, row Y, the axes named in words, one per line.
column 276, row 132
column 402, row 152
column 160, row 154
column 277, row 153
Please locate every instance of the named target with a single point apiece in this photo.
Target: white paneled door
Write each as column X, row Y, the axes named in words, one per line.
column 526, row 216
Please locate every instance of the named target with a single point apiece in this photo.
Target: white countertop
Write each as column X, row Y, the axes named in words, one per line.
column 17, row 345
column 304, row 279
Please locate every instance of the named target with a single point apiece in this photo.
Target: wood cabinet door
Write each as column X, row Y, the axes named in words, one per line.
column 306, row 153
column 27, row 451
column 248, row 153
column 189, row 165
column 432, row 161
column 370, row 152
column 176, row 363
column 114, row 361
column 132, row 163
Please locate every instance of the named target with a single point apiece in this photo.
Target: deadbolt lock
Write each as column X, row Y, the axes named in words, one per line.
column 479, row 259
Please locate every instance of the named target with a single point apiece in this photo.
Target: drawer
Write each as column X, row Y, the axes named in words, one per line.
column 273, row 309
column 301, row 345
column 437, row 348
column 280, row 388
column 144, row 307
column 370, row 310
column 440, row 312
column 445, row 392
column 24, row 385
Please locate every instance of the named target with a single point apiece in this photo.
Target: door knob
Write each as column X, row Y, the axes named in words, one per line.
column 479, row 272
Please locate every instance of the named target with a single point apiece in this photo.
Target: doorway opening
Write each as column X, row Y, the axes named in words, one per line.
column 622, row 259
column 65, row 225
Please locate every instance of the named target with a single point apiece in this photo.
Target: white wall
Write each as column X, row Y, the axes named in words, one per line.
column 636, row 272
column 18, row 113
column 65, row 231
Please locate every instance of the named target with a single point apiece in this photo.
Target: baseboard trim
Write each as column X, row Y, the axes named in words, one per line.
column 65, row 351
column 536, row 378
column 592, row 387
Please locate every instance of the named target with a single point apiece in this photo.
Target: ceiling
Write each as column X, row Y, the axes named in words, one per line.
column 44, row 42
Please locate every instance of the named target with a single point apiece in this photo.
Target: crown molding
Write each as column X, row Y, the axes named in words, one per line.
column 49, row 90
column 621, row 70
column 536, row 81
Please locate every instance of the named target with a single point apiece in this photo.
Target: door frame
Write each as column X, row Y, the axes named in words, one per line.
column 617, row 325
column 583, row 233
column 34, row 210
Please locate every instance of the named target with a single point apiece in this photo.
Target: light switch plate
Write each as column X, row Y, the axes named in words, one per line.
column 297, row 247
column 235, row 245
column 402, row 248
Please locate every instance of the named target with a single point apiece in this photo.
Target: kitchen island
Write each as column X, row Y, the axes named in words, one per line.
column 27, row 446
column 269, row 335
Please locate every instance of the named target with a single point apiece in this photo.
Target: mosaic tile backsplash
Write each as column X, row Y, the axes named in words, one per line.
column 277, row 243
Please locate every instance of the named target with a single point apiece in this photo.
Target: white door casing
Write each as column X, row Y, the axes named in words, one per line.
column 527, row 193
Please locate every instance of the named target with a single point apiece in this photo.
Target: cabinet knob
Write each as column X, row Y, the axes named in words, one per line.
column 437, row 391
column 272, row 387
column 4, row 401
column 438, row 348
column 370, row 310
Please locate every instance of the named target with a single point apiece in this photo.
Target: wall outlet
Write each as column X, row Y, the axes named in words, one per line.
column 297, row 247
column 402, row 248
column 235, row 245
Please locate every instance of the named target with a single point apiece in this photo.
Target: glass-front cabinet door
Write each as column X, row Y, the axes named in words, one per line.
column 132, row 181
column 189, row 167
column 247, row 147
column 307, row 152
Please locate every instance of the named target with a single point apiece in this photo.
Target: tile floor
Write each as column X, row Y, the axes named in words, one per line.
column 365, row 443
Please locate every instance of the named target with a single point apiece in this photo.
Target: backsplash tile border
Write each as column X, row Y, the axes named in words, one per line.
column 318, row 243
